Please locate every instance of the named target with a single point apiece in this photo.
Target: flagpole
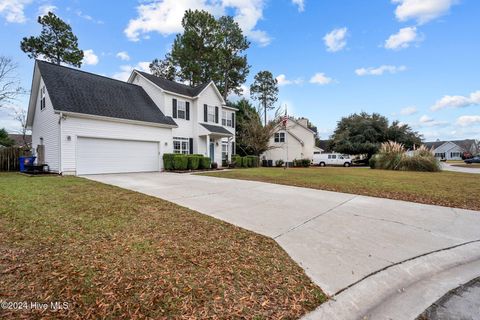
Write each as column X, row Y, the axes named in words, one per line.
column 286, row 134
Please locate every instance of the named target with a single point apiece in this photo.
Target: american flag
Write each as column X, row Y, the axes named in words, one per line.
column 285, row 118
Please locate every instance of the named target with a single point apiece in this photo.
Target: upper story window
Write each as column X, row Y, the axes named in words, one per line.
column 279, row 137
column 180, row 109
column 42, row 98
column 228, row 118
column 211, row 114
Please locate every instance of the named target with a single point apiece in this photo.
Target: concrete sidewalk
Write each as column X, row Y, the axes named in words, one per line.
column 339, row 239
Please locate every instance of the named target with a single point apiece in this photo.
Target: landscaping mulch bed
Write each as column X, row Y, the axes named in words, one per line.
column 109, row 253
column 450, row 189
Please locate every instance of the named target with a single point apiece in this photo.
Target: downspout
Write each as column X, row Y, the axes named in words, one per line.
column 60, row 164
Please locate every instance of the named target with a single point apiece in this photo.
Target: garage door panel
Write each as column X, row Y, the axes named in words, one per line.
column 96, row 156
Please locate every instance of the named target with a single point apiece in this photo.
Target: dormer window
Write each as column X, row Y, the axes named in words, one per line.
column 42, row 98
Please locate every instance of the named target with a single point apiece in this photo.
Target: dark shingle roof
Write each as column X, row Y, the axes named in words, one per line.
column 73, row 90
column 173, row 86
column 216, row 129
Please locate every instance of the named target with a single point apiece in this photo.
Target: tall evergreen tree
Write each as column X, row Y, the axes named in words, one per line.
column 56, row 42
column 265, row 90
column 163, row 68
column 233, row 66
column 211, row 50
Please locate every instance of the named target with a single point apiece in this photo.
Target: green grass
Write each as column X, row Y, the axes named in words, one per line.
column 113, row 253
column 444, row 188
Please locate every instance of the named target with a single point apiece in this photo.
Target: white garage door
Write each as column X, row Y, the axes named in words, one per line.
column 96, row 156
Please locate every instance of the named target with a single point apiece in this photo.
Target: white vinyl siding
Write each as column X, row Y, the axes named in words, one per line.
column 45, row 127
column 97, row 156
column 76, row 128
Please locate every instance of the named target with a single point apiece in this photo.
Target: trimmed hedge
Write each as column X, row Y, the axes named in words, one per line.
column 301, row 163
column 205, row 163
column 193, row 161
column 180, row 162
column 253, row 161
column 168, row 161
column 236, row 161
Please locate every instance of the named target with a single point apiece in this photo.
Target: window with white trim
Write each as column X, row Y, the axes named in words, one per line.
column 211, row 113
column 224, row 150
column 181, row 109
column 279, row 137
column 42, row 98
column 224, row 118
column 181, row 145
column 455, row 154
column 227, row 118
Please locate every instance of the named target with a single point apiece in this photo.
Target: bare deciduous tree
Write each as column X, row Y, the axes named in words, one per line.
column 20, row 114
column 9, row 82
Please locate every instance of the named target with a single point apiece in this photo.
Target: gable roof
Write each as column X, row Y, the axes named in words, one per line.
column 465, row 144
column 76, row 91
column 173, row 86
column 216, row 129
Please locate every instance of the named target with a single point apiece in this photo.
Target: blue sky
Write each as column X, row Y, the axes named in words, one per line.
column 416, row 61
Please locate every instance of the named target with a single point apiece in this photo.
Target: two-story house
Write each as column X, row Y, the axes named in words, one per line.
column 83, row 123
column 290, row 142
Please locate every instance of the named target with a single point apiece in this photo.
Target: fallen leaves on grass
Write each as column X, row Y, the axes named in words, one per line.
column 112, row 253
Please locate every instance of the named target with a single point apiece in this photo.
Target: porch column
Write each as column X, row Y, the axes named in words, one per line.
column 208, row 146
column 229, row 150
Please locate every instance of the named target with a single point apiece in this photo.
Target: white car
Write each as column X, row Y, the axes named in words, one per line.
column 332, row 159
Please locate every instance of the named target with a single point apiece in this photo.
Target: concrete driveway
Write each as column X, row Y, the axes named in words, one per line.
column 450, row 167
column 339, row 239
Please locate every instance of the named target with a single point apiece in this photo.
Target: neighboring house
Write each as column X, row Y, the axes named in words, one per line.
column 20, row 141
column 453, row 150
column 296, row 140
column 83, row 123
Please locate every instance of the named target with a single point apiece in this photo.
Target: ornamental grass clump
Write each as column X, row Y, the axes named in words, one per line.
column 392, row 156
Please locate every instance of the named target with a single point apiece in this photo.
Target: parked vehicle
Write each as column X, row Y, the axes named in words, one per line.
column 475, row 159
column 332, row 159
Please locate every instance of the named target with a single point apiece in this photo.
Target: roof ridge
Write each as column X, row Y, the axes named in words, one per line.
column 87, row 72
column 176, row 82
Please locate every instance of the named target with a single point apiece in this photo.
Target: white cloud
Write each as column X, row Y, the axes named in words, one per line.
column 244, row 95
column 45, row 9
column 422, row 11
column 300, row 4
column 402, row 39
column 165, row 16
column 321, row 79
column 408, row 111
column 123, row 55
column 283, row 81
column 126, row 70
column 87, row 17
column 426, row 121
column 466, row 121
column 457, row 101
column 13, row 10
column 380, row 70
column 89, row 57
column 335, row 40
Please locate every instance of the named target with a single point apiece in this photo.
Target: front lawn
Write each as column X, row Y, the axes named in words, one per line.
column 112, row 253
column 451, row 189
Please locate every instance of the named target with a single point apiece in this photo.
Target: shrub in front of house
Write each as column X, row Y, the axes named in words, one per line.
column 244, row 162
column 236, row 161
column 194, row 161
column 392, row 156
column 253, row 161
column 205, row 163
column 168, row 161
column 301, row 163
column 180, row 162
column 279, row 163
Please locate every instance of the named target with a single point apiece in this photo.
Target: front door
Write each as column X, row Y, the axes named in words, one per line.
column 212, row 151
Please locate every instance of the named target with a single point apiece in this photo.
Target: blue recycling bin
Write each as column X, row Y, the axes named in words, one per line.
column 26, row 161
